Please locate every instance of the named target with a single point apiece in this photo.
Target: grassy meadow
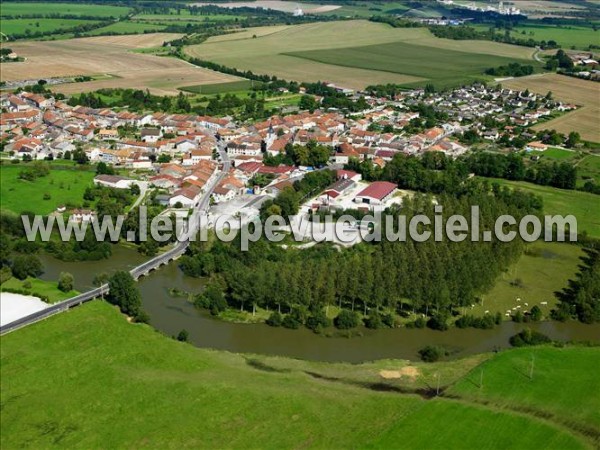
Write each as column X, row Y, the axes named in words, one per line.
column 567, row 36
column 546, row 267
column 64, row 186
column 127, row 27
column 25, row 26
column 48, row 289
column 116, row 384
column 79, row 9
column 583, row 205
column 507, row 382
column 220, row 88
column 356, row 54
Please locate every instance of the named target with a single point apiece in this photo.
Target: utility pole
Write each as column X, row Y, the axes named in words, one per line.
column 531, row 367
column 481, row 379
column 437, row 391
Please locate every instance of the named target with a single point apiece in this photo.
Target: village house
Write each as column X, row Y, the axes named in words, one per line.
column 113, row 181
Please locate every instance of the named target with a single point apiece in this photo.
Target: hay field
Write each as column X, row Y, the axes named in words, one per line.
column 268, row 53
column 585, row 120
column 108, row 55
column 276, row 5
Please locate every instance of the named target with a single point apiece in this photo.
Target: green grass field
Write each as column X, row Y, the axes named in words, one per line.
column 566, row 36
column 64, row 186
column 583, row 205
column 40, row 287
column 341, row 53
column 99, row 381
column 506, row 382
column 441, row 66
column 545, row 268
column 185, row 16
column 127, row 27
column 589, row 168
column 85, row 9
column 21, row 26
column 220, row 88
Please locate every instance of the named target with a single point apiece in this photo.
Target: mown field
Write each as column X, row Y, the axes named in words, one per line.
column 112, row 56
column 64, row 186
column 99, row 381
column 80, row 9
column 567, row 89
column 583, row 205
column 276, row 52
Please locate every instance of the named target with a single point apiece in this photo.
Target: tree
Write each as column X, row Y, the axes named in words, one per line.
column 183, row 336
column 431, row 353
column 346, row 319
column 124, row 293
column 573, row 139
column 104, row 169
column 163, row 158
column 26, row 266
column 65, row 282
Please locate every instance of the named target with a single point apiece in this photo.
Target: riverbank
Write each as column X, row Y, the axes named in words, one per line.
column 15, row 306
column 212, row 399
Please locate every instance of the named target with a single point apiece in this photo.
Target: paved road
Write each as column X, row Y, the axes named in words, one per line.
column 179, row 249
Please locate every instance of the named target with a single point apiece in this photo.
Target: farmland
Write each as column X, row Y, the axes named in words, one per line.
column 72, row 9
column 204, row 398
column 276, row 52
column 27, row 26
column 580, row 92
column 127, row 27
column 409, row 59
column 277, row 5
column 566, row 36
column 64, row 186
column 111, row 56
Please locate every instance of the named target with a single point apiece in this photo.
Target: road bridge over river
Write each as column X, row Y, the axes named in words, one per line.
column 143, row 269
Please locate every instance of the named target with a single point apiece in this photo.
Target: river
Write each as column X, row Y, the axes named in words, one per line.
column 172, row 314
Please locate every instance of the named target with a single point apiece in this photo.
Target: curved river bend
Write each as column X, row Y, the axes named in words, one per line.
column 171, row 314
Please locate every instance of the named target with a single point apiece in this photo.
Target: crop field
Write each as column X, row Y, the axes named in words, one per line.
column 441, row 66
column 220, row 88
column 157, row 392
column 545, row 268
column 64, row 186
column 185, row 16
column 269, row 52
column 126, row 27
column 87, row 9
column 111, row 56
column 583, row 205
column 567, row 89
column 566, row 36
column 25, row 26
column 277, row 5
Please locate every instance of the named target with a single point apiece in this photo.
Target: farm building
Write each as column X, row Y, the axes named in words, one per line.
column 376, row 193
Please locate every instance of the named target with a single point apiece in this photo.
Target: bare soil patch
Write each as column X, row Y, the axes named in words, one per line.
column 410, row 372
